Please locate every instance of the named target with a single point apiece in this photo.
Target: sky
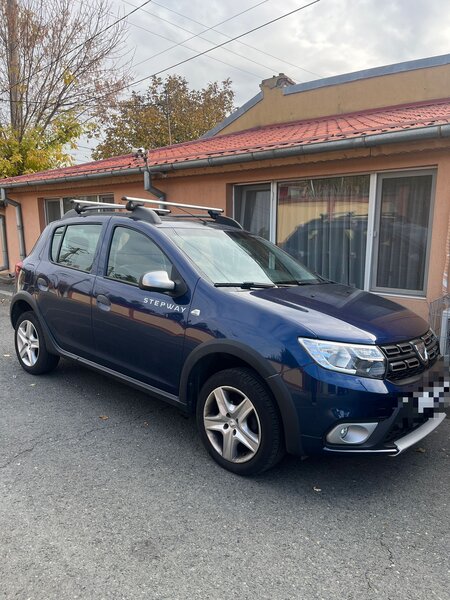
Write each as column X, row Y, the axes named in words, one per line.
column 331, row 37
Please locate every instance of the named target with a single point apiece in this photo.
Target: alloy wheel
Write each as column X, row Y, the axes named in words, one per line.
column 28, row 343
column 232, row 424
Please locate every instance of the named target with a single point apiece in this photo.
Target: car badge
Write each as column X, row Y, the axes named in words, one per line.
column 421, row 351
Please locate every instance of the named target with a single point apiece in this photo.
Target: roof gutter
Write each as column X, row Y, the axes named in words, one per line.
column 363, row 141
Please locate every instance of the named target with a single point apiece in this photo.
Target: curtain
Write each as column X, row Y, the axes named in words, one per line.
column 323, row 223
column 252, row 209
column 403, row 232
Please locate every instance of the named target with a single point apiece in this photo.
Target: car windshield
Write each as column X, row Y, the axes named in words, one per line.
column 236, row 257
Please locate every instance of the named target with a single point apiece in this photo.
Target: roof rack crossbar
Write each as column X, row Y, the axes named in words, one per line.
column 174, row 204
column 152, row 214
column 84, row 205
column 80, row 205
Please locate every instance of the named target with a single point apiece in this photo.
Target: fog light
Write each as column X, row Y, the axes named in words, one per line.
column 343, row 432
column 351, row 433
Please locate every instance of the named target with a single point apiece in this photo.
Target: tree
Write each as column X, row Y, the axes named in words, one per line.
column 167, row 113
column 59, row 61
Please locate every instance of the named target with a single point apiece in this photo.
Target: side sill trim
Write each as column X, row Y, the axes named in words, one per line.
column 368, row 451
column 145, row 387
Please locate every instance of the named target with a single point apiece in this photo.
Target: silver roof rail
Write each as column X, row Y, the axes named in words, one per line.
column 78, row 204
column 174, row 204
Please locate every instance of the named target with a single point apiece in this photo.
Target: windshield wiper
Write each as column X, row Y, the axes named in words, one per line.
column 298, row 282
column 245, row 285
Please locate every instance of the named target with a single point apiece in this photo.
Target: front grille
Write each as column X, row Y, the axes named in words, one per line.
column 404, row 360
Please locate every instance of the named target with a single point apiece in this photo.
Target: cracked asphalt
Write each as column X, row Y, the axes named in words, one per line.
column 107, row 493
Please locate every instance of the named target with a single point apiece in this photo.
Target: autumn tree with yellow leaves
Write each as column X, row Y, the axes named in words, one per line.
column 59, row 61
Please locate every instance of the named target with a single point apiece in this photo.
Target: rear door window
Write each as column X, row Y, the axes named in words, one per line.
column 78, row 246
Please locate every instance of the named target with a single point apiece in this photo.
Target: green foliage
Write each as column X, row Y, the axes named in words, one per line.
column 169, row 112
column 38, row 149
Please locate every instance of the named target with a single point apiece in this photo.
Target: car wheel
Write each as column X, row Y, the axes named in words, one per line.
column 30, row 346
column 239, row 422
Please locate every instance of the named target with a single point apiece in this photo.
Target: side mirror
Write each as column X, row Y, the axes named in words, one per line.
column 157, row 281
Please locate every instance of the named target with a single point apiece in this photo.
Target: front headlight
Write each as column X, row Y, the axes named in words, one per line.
column 353, row 359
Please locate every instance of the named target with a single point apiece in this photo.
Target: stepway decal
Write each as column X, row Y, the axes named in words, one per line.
column 167, row 305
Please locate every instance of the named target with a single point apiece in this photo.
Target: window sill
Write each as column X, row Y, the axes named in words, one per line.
column 399, row 295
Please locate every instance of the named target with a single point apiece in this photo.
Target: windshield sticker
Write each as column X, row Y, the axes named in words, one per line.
column 163, row 304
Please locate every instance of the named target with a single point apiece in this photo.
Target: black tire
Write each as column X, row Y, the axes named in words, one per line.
column 40, row 361
column 260, row 427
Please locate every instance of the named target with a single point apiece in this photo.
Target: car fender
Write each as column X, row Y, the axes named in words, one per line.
column 264, row 369
column 24, row 296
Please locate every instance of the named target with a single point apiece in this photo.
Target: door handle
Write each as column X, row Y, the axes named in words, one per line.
column 42, row 284
column 103, row 302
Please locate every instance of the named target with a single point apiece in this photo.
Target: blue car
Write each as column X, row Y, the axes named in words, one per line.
column 226, row 326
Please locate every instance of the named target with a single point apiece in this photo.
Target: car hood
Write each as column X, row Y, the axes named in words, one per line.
column 338, row 312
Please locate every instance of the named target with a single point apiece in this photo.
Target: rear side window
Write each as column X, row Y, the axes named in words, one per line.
column 56, row 242
column 78, row 246
column 132, row 254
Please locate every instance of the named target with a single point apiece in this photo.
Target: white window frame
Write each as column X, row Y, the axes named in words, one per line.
column 374, row 237
column 96, row 197
column 272, row 186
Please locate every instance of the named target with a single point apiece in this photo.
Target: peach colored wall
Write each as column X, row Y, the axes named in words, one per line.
column 211, row 188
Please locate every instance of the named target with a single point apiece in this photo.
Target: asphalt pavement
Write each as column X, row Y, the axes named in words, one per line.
column 108, row 493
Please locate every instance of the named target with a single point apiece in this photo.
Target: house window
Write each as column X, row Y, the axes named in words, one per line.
column 253, row 208
column 323, row 223
column 55, row 208
column 402, row 232
column 369, row 231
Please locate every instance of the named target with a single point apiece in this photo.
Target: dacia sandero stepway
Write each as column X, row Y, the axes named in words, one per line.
column 225, row 325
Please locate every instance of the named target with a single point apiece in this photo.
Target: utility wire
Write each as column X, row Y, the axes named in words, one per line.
column 34, row 102
column 182, row 62
column 50, row 64
column 193, row 49
column 182, row 43
column 137, row 81
column 213, row 28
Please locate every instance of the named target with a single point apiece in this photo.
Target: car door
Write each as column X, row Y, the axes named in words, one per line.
column 137, row 332
column 64, row 283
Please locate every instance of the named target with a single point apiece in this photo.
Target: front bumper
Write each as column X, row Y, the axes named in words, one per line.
column 404, row 413
column 399, row 445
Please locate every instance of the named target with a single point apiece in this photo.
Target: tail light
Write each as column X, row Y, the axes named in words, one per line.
column 18, row 268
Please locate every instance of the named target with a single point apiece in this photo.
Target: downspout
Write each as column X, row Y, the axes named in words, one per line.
column 446, row 277
column 5, row 265
column 19, row 220
column 148, row 187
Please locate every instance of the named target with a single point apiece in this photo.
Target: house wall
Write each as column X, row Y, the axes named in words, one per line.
column 277, row 106
column 214, row 188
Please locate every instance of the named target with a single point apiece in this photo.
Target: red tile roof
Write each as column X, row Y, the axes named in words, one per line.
column 269, row 137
